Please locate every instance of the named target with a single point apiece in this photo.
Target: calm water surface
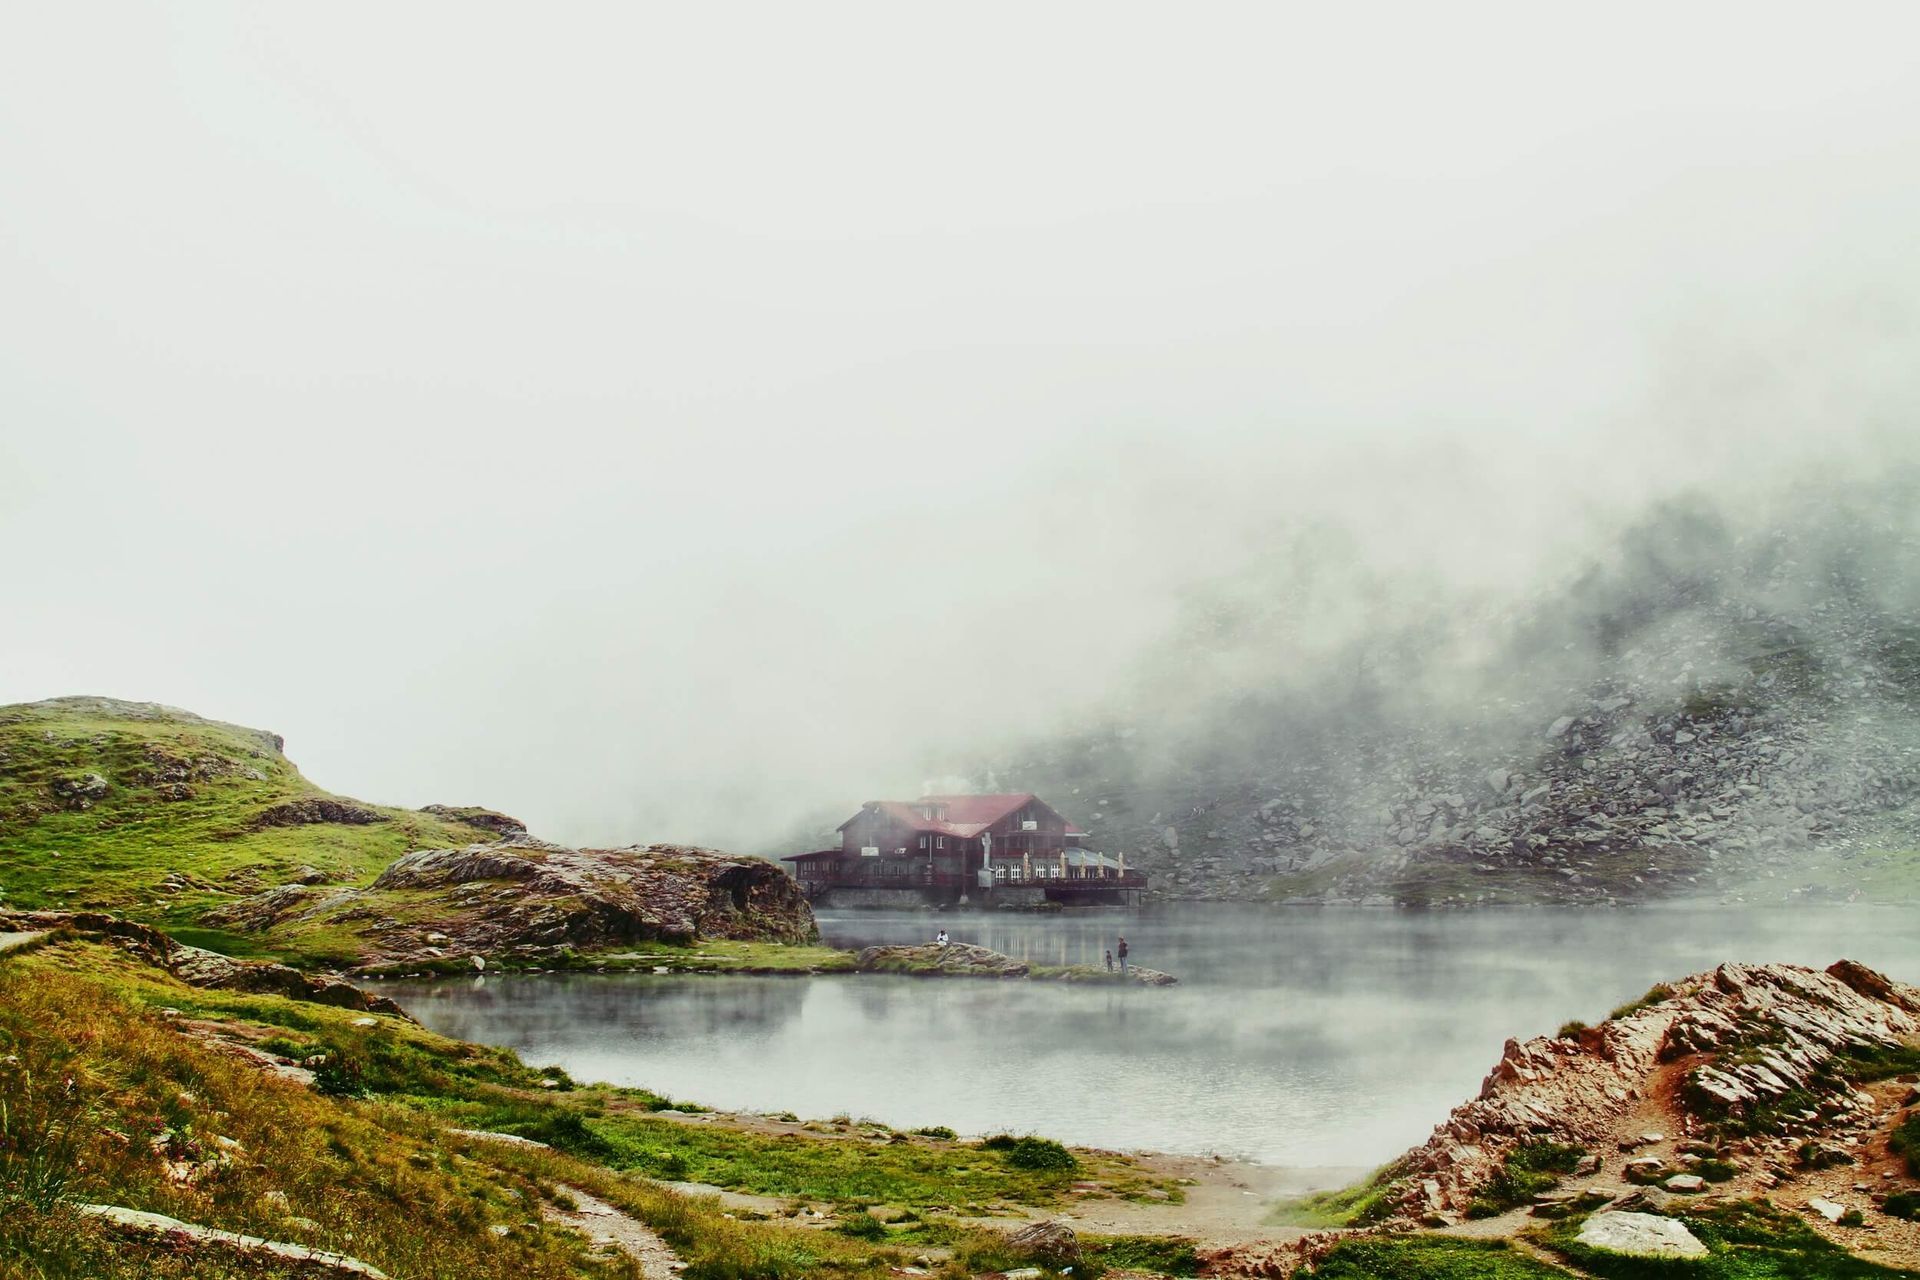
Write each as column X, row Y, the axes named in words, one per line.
column 1300, row 1037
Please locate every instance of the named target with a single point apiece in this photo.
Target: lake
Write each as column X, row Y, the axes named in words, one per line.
column 1303, row 1037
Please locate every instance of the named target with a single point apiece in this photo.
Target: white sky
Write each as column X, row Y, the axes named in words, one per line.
column 657, row 421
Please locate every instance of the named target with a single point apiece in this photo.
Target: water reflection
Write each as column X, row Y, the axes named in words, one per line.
column 1300, row 1037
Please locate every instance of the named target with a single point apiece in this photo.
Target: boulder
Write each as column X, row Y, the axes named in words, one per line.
column 1643, row 1235
column 80, row 792
column 1051, row 1242
column 1686, row 1184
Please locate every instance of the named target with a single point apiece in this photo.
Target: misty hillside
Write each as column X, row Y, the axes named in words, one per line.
column 1724, row 700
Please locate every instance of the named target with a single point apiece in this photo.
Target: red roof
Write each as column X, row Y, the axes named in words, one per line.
column 984, row 810
column 967, row 816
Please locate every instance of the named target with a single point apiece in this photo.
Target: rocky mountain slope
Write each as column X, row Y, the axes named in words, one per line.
column 209, row 830
column 1727, row 700
column 1747, row 1082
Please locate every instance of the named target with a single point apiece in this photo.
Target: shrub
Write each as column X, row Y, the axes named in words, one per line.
column 863, row 1226
column 1716, row 1170
column 936, row 1131
column 1572, row 1030
column 1903, row 1204
column 1818, row 1155
column 1032, row 1153
column 1906, row 1142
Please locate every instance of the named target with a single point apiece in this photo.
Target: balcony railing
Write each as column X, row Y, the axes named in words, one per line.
column 922, row 877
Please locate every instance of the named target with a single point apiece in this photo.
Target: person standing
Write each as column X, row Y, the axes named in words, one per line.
column 1121, row 951
column 1109, row 962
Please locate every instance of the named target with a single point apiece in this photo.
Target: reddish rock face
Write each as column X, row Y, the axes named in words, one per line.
column 1724, row 1046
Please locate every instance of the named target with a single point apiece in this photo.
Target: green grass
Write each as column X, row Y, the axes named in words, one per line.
column 1527, row 1171
column 1746, row 1240
column 1430, row 1258
column 370, row 1158
column 915, row 1173
column 1906, row 1141
column 1864, row 1064
column 99, row 1096
column 116, row 854
column 1162, row 1255
column 1362, row 1204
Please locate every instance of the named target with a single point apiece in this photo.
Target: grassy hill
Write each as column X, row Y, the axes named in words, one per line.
column 158, row 814
column 122, row 1086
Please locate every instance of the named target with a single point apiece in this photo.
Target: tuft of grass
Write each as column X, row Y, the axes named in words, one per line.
column 1906, row 1141
column 1527, row 1171
column 1714, row 1169
column 1658, row 993
column 1362, row 1204
column 1571, row 1030
column 1032, row 1153
column 1903, row 1204
column 1160, row 1255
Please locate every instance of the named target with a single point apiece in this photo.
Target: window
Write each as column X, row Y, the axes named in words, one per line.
column 923, row 843
column 942, row 842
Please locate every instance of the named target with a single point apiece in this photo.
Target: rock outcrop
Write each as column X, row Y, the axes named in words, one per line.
column 313, row 809
column 201, row 968
column 528, row 899
column 956, row 960
column 1726, row 1047
column 502, row 825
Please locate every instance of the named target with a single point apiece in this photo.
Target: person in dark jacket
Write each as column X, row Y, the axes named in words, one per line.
column 1121, row 951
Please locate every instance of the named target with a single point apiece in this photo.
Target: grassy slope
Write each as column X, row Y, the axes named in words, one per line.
column 116, row 854
column 366, row 1164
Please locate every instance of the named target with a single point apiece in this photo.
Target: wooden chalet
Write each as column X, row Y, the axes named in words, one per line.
column 1010, row 848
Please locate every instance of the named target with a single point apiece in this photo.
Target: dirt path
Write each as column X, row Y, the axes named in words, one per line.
column 1227, row 1202
column 613, row 1230
column 15, row 941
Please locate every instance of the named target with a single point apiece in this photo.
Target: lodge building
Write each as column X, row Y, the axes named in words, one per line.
column 992, row 849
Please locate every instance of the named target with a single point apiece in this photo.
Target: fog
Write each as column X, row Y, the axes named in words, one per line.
column 671, row 424
column 1280, row 1022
